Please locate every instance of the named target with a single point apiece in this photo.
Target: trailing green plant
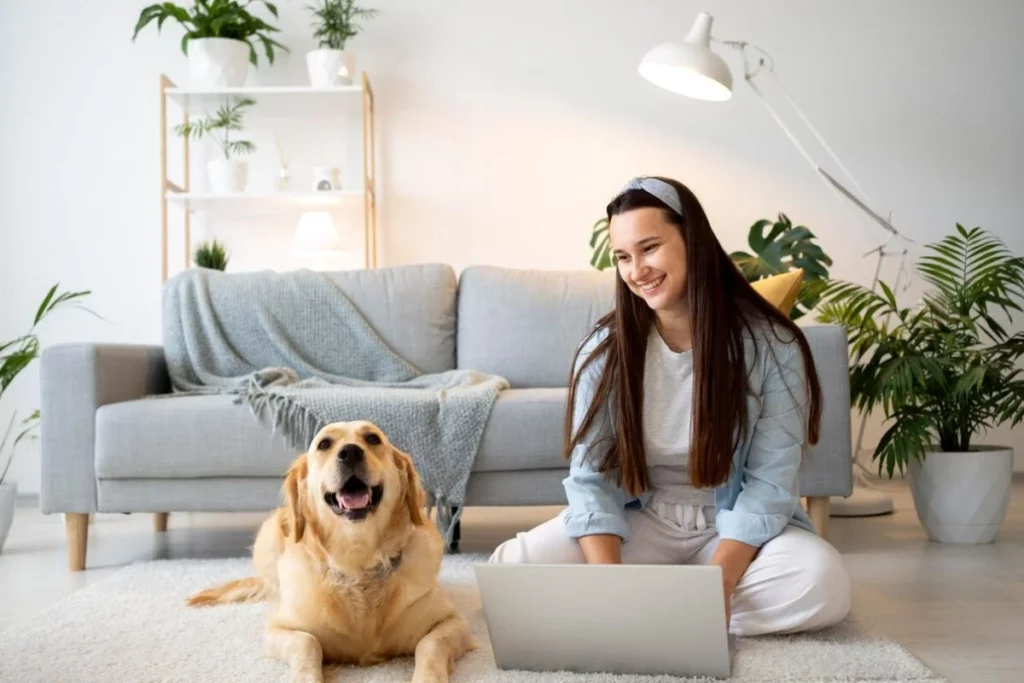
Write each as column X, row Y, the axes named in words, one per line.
column 946, row 368
column 784, row 248
column 18, row 354
column 216, row 19
column 335, row 22
column 211, row 255
column 227, row 119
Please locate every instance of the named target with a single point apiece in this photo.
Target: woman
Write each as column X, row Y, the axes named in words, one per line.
column 689, row 409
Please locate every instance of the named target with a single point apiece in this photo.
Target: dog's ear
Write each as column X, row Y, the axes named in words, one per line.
column 295, row 495
column 415, row 496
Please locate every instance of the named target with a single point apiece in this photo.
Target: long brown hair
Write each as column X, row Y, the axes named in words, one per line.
column 722, row 306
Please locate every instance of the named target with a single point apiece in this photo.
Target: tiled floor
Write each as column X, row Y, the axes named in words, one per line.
column 959, row 608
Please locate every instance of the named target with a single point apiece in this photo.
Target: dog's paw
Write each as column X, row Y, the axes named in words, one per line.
column 307, row 677
column 428, row 678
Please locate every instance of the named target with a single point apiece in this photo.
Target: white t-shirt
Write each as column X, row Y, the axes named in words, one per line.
column 668, row 400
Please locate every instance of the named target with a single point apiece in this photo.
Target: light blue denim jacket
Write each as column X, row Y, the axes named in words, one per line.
column 761, row 496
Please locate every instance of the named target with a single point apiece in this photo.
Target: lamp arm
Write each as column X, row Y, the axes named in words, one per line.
column 751, row 68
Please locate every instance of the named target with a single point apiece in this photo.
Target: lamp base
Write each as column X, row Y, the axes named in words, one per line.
column 865, row 501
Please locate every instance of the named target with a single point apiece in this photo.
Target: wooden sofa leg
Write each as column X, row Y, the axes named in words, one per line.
column 160, row 521
column 818, row 508
column 76, row 526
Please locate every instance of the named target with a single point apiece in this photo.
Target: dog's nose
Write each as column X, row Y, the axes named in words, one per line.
column 350, row 454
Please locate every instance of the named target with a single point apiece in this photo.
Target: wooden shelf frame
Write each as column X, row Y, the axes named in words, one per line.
column 170, row 191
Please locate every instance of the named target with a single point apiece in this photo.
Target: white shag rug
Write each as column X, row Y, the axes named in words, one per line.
column 134, row 626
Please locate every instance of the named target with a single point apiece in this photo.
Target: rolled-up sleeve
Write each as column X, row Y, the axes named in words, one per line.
column 769, row 493
column 595, row 505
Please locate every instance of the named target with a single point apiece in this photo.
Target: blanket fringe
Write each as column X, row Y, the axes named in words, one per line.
column 297, row 424
column 445, row 518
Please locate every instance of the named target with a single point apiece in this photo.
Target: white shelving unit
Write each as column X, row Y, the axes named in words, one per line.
column 179, row 194
column 259, row 201
column 197, row 97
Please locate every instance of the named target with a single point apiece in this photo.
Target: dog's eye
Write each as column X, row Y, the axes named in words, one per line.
column 372, row 439
column 323, row 445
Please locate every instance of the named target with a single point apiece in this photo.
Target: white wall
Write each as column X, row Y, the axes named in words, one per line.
column 504, row 128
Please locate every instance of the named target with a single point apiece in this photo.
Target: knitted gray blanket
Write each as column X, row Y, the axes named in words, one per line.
column 292, row 344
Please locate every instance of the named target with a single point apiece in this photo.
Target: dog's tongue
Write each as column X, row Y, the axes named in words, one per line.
column 355, row 501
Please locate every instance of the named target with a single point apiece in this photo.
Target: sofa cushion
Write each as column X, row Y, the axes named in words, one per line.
column 525, row 325
column 211, row 436
column 781, row 290
column 412, row 308
column 524, row 431
column 186, row 437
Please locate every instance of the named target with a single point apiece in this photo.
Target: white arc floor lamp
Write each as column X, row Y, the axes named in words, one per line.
column 692, row 69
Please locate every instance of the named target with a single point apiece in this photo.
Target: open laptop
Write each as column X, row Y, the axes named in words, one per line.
column 624, row 619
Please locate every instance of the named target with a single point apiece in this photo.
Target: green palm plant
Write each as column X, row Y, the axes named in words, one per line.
column 215, row 19
column 18, row 354
column 219, row 126
column 945, row 369
column 335, row 22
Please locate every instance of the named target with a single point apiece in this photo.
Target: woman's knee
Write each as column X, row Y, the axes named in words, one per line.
column 827, row 583
column 544, row 544
column 797, row 583
column 509, row 552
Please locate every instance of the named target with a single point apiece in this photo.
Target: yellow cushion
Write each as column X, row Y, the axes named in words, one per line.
column 781, row 290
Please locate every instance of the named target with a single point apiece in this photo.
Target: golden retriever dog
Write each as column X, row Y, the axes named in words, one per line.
column 349, row 566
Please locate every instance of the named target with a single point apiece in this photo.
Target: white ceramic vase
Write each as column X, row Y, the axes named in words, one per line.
column 227, row 175
column 962, row 497
column 8, row 496
column 330, row 68
column 217, row 63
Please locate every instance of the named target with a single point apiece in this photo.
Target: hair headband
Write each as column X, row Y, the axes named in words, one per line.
column 658, row 188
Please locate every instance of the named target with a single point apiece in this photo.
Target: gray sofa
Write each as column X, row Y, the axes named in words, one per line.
column 109, row 446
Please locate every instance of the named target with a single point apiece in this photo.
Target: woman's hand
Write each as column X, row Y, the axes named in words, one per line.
column 601, row 548
column 734, row 558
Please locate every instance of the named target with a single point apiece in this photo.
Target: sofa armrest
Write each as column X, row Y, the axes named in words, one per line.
column 75, row 380
column 828, row 468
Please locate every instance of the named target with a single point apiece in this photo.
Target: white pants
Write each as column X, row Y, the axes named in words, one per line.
column 796, row 582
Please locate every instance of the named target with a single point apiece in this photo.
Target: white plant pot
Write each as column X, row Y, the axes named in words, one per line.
column 325, row 67
column 217, row 63
column 8, row 495
column 962, row 497
column 227, row 175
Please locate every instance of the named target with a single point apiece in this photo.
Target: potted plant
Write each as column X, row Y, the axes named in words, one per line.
column 218, row 40
column 15, row 356
column 225, row 175
column 212, row 255
column 334, row 22
column 942, row 371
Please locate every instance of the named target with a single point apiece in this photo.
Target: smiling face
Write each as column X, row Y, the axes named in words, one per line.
column 354, row 472
column 651, row 257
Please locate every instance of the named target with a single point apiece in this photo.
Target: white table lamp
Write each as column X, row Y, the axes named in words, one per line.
column 316, row 237
column 692, row 69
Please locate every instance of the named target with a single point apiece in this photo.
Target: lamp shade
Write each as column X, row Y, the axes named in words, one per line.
column 690, row 68
column 315, row 235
